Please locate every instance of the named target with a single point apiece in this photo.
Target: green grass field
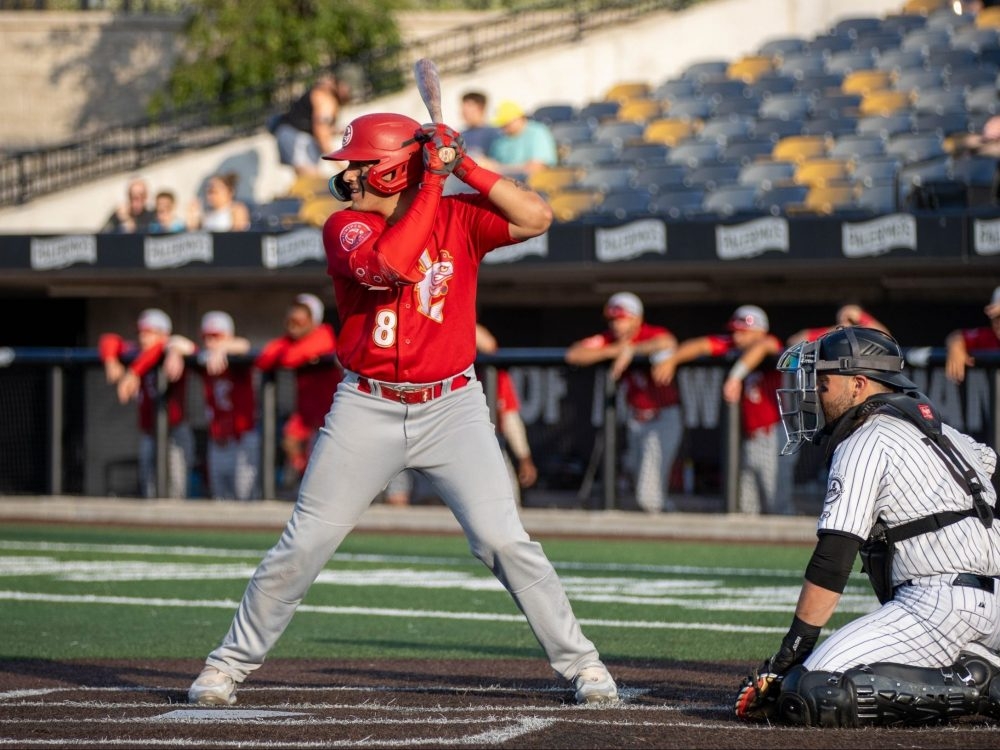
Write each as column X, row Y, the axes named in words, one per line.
column 79, row 592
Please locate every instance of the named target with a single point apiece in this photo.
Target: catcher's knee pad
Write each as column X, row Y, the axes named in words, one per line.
column 816, row 699
column 897, row 694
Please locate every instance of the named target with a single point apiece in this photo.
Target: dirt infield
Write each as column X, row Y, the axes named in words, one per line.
column 365, row 703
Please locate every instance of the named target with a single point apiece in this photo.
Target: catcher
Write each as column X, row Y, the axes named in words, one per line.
column 914, row 497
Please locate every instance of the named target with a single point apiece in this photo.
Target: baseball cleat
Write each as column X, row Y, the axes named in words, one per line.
column 212, row 688
column 595, row 685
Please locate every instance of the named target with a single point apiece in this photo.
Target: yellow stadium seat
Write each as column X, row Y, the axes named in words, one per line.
column 884, row 102
column 625, row 90
column 820, row 172
column 639, row 110
column 553, row 179
column 830, row 198
column 923, row 7
column 750, row 68
column 309, row 186
column 864, row 81
column 988, row 17
column 570, row 204
column 798, row 148
column 317, row 210
column 670, row 130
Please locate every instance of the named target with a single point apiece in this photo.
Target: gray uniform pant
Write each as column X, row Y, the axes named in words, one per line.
column 364, row 443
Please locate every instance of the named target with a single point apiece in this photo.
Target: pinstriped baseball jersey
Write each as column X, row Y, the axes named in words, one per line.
column 886, row 469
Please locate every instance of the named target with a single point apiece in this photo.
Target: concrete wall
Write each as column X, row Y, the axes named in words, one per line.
column 652, row 49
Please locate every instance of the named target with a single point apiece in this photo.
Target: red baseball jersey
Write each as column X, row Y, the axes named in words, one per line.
column 146, row 366
column 507, row 400
column 230, row 403
column 411, row 332
column 759, row 403
column 640, row 390
column 315, row 381
column 980, row 339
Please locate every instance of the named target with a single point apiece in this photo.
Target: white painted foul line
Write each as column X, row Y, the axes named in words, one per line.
column 224, row 715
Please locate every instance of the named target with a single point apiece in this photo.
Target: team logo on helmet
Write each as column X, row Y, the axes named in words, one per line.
column 348, row 132
column 353, row 235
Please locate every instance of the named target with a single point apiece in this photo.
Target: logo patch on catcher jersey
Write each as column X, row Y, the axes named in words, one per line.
column 834, row 489
column 354, row 234
column 925, row 412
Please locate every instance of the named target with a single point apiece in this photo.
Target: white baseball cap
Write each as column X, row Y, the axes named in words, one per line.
column 621, row 304
column 216, row 321
column 748, row 318
column 154, row 319
column 316, row 308
column 995, row 300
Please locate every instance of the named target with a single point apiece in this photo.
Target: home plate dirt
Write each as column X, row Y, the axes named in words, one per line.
column 391, row 703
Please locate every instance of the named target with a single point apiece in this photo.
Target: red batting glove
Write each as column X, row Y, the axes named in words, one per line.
column 436, row 137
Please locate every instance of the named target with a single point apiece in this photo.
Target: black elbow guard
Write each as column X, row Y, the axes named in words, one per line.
column 831, row 561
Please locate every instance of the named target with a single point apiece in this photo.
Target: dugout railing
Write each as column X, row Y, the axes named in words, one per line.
column 63, row 432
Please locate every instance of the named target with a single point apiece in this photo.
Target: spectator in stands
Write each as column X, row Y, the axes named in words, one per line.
column 513, row 435
column 848, row 315
column 753, row 385
column 166, row 220
column 524, row 146
column 984, row 143
column 478, row 134
column 307, row 341
column 654, row 422
column 139, row 380
column 233, row 453
column 134, row 215
column 962, row 342
column 222, row 212
column 306, row 131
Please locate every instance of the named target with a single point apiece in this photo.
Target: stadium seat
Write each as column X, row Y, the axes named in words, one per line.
column 660, row 178
column 884, row 103
column 830, row 126
column 765, row 174
column 280, row 214
column 722, row 129
column 778, row 47
column 751, row 67
column 696, row 108
column 731, row 199
column 710, row 176
column 911, row 176
column 745, row 150
column 682, row 88
column 983, row 99
column 589, row 154
column 792, row 106
column 872, row 170
column 824, row 45
column 317, row 209
column 926, row 39
column 644, row 154
column 878, row 198
column 948, row 59
column 553, row 113
column 900, row 59
column 818, row 84
column 772, row 83
column 776, row 129
column 915, row 147
column 798, row 148
column 799, row 64
column 939, row 100
column 975, row 37
column 625, row 90
column 856, row 26
column 912, row 80
column 677, row 204
column 552, row 179
column 624, row 204
column 849, row 60
column 880, row 43
column 854, row 146
column 305, row 187
column 670, row 131
column 703, row 69
column 942, row 123
column 971, row 77
column 618, row 132
column 606, row 177
column 717, row 89
column 821, row 172
column 886, row 125
column 988, row 17
column 975, row 171
column 923, row 7
column 829, row 199
column 778, row 197
column 862, row 81
column 835, row 103
column 639, row 110
column 568, row 205
column 903, row 22
column 597, row 112
column 738, row 106
column 693, row 153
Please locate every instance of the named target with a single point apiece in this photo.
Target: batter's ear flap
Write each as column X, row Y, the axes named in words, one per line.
column 338, row 188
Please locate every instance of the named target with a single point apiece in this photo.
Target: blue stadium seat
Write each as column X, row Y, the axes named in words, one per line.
column 722, row 129
column 745, row 150
column 799, row 64
column 778, row 197
column 879, row 43
column 598, row 112
column 794, row 106
column 695, row 107
column 983, row 98
column 942, row 123
column 918, row 79
column 948, row 59
column 849, row 60
column 644, row 154
column 820, row 83
column 899, row 59
column 975, row 38
column 623, row 204
column 732, row 199
column 607, row 177
column 589, row 154
column 832, row 126
column 764, row 174
column 776, row 129
column 828, row 44
column 552, row 113
column 676, row 204
column 948, row 19
column 885, row 125
column 915, row 147
column 572, row 132
column 876, row 169
column 926, row 39
column 772, row 83
column 856, row 26
column 939, row 100
column 722, row 88
column 973, row 76
column 737, row 105
column 878, row 198
column 618, row 132
column 664, row 177
column 680, row 88
column 704, row 69
column 975, row 171
column 694, row 153
column 854, row 146
column 903, row 23
column 783, row 46
column 710, row 176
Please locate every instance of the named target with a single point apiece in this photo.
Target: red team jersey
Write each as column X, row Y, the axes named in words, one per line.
column 145, row 365
column 315, row 382
column 387, row 327
column 759, row 403
column 980, row 339
column 641, row 393
column 230, row 403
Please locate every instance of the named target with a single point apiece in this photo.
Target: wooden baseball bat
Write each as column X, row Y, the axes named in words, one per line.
column 429, row 86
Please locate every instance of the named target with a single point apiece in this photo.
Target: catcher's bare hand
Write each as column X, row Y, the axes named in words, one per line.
column 758, row 695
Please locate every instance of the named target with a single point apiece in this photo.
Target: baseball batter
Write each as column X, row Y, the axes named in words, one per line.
column 404, row 262
column 914, row 496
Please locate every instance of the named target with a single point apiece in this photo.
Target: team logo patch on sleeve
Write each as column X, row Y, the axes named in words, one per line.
column 834, row 489
column 354, row 234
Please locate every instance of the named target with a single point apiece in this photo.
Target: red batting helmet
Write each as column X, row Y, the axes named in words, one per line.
column 389, row 140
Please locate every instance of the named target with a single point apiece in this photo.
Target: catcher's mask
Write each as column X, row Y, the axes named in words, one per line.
column 387, row 141
column 845, row 351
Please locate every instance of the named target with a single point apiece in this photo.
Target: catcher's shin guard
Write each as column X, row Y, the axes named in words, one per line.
column 888, row 695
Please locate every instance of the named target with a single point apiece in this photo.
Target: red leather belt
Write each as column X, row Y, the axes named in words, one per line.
column 411, row 394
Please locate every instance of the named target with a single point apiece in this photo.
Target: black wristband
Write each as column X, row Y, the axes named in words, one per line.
column 801, row 637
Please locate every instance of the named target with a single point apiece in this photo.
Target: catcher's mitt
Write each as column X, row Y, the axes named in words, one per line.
column 758, row 696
